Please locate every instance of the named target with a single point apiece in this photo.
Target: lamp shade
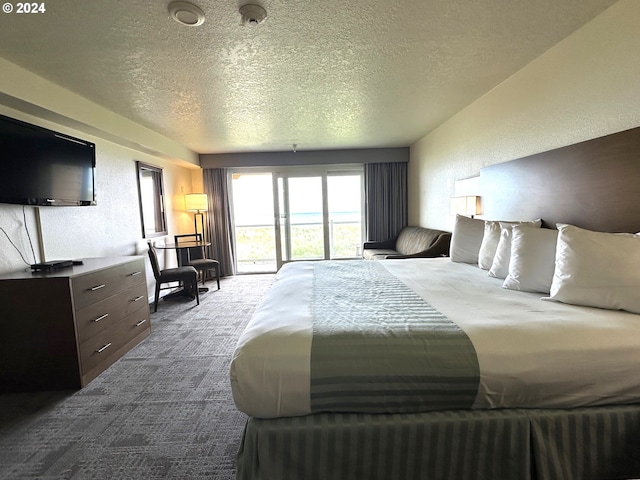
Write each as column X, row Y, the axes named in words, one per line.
column 468, row 205
column 195, row 202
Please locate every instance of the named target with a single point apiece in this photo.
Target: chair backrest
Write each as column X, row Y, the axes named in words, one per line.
column 153, row 258
column 192, row 253
column 188, row 237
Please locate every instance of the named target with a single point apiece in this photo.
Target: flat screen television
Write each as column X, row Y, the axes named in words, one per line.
column 42, row 167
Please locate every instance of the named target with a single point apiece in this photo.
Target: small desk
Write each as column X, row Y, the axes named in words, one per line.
column 187, row 245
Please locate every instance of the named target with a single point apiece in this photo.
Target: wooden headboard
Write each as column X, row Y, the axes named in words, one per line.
column 593, row 184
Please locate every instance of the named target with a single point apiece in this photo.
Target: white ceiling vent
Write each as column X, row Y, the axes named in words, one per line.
column 252, row 14
column 186, row 13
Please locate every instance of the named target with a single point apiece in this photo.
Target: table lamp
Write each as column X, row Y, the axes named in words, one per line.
column 468, row 205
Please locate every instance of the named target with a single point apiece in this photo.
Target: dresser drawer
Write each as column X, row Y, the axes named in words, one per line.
column 136, row 323
column 103, row 314
column 96, row 286
column 101, row 346
column 104, row 344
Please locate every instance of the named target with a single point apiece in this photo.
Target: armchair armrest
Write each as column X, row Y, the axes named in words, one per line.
column 389, row 244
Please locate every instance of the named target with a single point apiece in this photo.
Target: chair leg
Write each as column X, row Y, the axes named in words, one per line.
column 195, row 285
column 217, row 270
column 157, row 296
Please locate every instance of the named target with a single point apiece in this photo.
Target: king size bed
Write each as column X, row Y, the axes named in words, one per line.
column 441, row 368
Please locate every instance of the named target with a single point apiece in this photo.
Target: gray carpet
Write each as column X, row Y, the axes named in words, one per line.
column 162, row 411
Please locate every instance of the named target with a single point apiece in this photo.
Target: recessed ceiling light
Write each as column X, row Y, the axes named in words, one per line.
column 186, row 13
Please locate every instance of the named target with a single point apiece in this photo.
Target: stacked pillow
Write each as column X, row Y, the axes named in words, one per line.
column 532, row 260
column 466, row 239
column 477, row 241
column 572, row 265
column 597, row 269
column 500, row 264
column 491, row 238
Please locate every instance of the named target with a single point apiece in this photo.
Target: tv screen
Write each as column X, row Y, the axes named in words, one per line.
column 42, row 167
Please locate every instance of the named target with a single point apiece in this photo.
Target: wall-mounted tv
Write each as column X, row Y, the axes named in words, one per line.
column 42, row 167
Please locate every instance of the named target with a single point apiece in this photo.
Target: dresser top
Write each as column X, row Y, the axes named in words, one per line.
column 89, row 265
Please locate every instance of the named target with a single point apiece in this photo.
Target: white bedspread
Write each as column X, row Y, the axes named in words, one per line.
column 532, row 353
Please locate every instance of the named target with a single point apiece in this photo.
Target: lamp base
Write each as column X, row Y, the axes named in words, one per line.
column 195, row 223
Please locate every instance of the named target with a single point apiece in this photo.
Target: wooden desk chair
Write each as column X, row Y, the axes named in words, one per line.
column 195, row 256
column 186, row 275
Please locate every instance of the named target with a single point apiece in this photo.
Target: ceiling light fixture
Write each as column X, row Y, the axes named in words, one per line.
column 252, row 14
column 186, row 13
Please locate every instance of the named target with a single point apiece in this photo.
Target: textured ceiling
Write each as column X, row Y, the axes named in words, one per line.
column 327, row 74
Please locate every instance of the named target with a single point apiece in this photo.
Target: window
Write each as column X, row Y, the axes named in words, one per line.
column 151, row 196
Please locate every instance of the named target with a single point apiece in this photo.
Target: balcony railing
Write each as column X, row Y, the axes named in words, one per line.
column 255, row 244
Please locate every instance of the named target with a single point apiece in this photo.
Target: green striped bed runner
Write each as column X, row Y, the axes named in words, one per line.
column 378, row 347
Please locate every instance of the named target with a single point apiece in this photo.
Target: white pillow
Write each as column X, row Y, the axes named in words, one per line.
column 532, row 262
column 489, row 244
column 466, row 239
column 491, row 238
column 597, row 269
column 500, row 266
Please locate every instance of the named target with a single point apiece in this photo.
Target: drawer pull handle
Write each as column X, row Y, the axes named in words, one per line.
column 141, row 322
column 97, row 287
column 138, row 298
column 134, row 274
column 101, row 317
column 100, row 350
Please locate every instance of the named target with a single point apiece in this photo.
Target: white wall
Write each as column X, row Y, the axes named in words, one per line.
column 112, row 227
column 585, row 87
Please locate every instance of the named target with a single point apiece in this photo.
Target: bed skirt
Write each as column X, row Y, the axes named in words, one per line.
column 547, row 444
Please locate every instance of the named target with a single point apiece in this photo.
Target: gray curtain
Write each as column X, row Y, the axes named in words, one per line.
column 385, row 187
column 218, row 225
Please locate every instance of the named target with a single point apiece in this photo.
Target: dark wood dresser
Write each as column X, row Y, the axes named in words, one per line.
column 61, row 329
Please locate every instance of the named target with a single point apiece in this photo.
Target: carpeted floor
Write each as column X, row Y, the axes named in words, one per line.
column 162, row 411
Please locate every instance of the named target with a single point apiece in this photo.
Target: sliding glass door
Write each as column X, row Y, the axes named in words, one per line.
column 253, row 214
column 300, row 205
column 345, row 201
column 314, row 215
